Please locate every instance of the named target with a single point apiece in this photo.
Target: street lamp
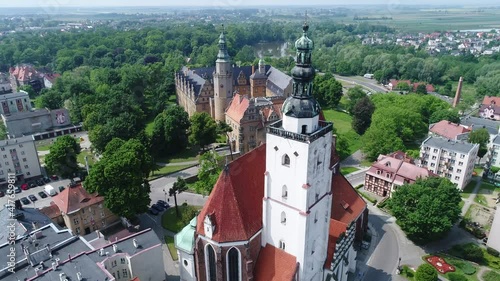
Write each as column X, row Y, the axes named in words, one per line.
column 399, row 266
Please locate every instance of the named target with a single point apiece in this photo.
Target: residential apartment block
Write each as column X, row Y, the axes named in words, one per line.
column 451, row 159
column 5, row 86
column 15, row 102
column 81, row 212
column 19, row 157
column 494, row 151
column 392, row 171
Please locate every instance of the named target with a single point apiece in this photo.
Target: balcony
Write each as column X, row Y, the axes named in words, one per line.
column 277, row 129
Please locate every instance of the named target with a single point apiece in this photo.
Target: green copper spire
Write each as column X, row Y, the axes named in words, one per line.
column 222, row 55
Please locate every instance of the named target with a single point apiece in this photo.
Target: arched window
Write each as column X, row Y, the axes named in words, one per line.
column 282, row 244
column 286, row 160
column 233, row 265
column 283, row 218
column 284, row 192
column 211, row 260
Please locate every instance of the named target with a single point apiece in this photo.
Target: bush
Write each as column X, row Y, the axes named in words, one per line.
column 466, row 267
column 492, row 252
column 491, row 276
column 406, row 271
column 453, row 276
column 426, row 272
column 470, row 252
column 188, row 214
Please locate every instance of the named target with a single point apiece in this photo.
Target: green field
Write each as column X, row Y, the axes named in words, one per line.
column 348, row 170
column 81, row 157
column 468, row 189
column 342, row 123
column 166, row 170
column 171, row 247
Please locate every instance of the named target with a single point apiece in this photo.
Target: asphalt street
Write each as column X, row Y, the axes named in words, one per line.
column 366, row 83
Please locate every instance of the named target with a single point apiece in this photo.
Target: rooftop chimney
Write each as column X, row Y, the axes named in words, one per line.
column 253, row 69
column 458, row 93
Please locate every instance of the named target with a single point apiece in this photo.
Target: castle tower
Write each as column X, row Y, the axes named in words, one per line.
column 258, row 81
column 297, row 193
column 223, row 80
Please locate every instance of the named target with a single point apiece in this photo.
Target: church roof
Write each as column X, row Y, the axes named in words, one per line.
column 235, row 204
column 274, row 264
column 335, row 230
column 347, row 205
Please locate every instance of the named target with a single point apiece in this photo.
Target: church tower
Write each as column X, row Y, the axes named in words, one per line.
column 223, row 80
column 297, row 193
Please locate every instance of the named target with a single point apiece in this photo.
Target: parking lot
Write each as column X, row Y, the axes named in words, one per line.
column 40, row 202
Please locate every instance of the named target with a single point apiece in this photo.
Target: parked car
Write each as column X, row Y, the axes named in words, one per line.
column 24, row 186
column 32, row 184
column 54, row 177
column 46, row 179
column 61, row 188
column 42, row 194
column 25, row 201
column 40, row 182
column 32, row 198
column 157, row 207
column 2, row 194
column 153, row 211
column 162, row 203
column 17, row 189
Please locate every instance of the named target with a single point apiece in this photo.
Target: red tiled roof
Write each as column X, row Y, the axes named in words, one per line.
column 24, row 72
column 336, row 228
column 274, row 264
column 448, row 129
column 237, row 107
column 235, row 204
column 136, row 279
column 51, row 211
column 74, row 198
column 491, row 100
column 52, row 76
column 428, row 87
column 344, row 193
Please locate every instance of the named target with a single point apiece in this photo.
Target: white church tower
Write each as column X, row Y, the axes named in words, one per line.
column 223, row 80
column 297, row 193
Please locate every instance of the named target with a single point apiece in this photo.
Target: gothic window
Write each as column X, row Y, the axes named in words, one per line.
column 211, row 266
column 283, row 218
column 233, row 265
column 284, row 192
column 286, row 160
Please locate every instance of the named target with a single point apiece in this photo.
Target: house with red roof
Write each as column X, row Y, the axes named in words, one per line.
column 449, row 130
column 281, row 211
column 248, row 118
column 388, row 173
column 26, row 74
column 393, row 85
column 80, row 211
column 490, row 108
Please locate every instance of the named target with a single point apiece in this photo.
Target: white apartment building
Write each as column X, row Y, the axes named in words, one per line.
column 451, row 159
column 494, row 151
column 19, row 157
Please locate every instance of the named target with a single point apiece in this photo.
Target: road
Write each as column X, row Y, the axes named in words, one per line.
column 366, row 83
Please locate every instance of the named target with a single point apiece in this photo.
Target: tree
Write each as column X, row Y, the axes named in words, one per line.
column 177, row 188
column 402, row 86
column 246, row 54
column 121, row 177
column 327, row 90
column 224, row 128
column 210, row 168
column 362, row 115
column 426, row 272
column 27, row 88
column 62, row 157
column 203, row 130
column 3, row 131
column 481, row 137
column 354, row 95
column 449, row 115
column 427, row 209
column 49, row 99
column 381, row 140
column 421, row 89
column 170, row 131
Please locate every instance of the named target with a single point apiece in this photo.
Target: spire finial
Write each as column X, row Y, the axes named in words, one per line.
column 223, row 28
column 305, row 27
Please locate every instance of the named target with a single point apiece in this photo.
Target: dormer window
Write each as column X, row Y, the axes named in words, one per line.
column 388, row 164
column 209, row 226
column 286, row 160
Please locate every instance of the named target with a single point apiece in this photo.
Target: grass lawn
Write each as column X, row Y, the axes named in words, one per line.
column 478, row 171
column 149, row 127
column 165, row 170
column 348, row 170
column 488, row 259
column 342, row 123
column 171, row 222
column 171, row 247
column 489, row 186
column 81, row 157
column 468, row 189
column 461, row 204
column 189, row 154
column 491, row 276
column 460, row 267
column 44, row 147
column 481, row 199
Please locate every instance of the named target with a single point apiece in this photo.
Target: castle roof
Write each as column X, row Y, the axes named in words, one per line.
column 241, row 188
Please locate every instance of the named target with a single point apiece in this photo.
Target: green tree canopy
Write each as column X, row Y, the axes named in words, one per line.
column 203, row 130
column 450, row 115
column 403, row 86
column 170, row 131
column 121, row 177
column 210, row 168
column 362, row 115
column 49, row 99
column 427, row 209
column 481, row 137
column 426, row 272
column 421, row 89
column 62, row 157
column 327, row 90
column 354, row 95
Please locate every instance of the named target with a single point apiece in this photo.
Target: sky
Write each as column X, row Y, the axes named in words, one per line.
column 229, row 3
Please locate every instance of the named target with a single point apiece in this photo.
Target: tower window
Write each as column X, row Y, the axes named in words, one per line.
column 283, row 218
column 286, row 160
column 282, row 244
column 284, row 192
column 304, row 129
